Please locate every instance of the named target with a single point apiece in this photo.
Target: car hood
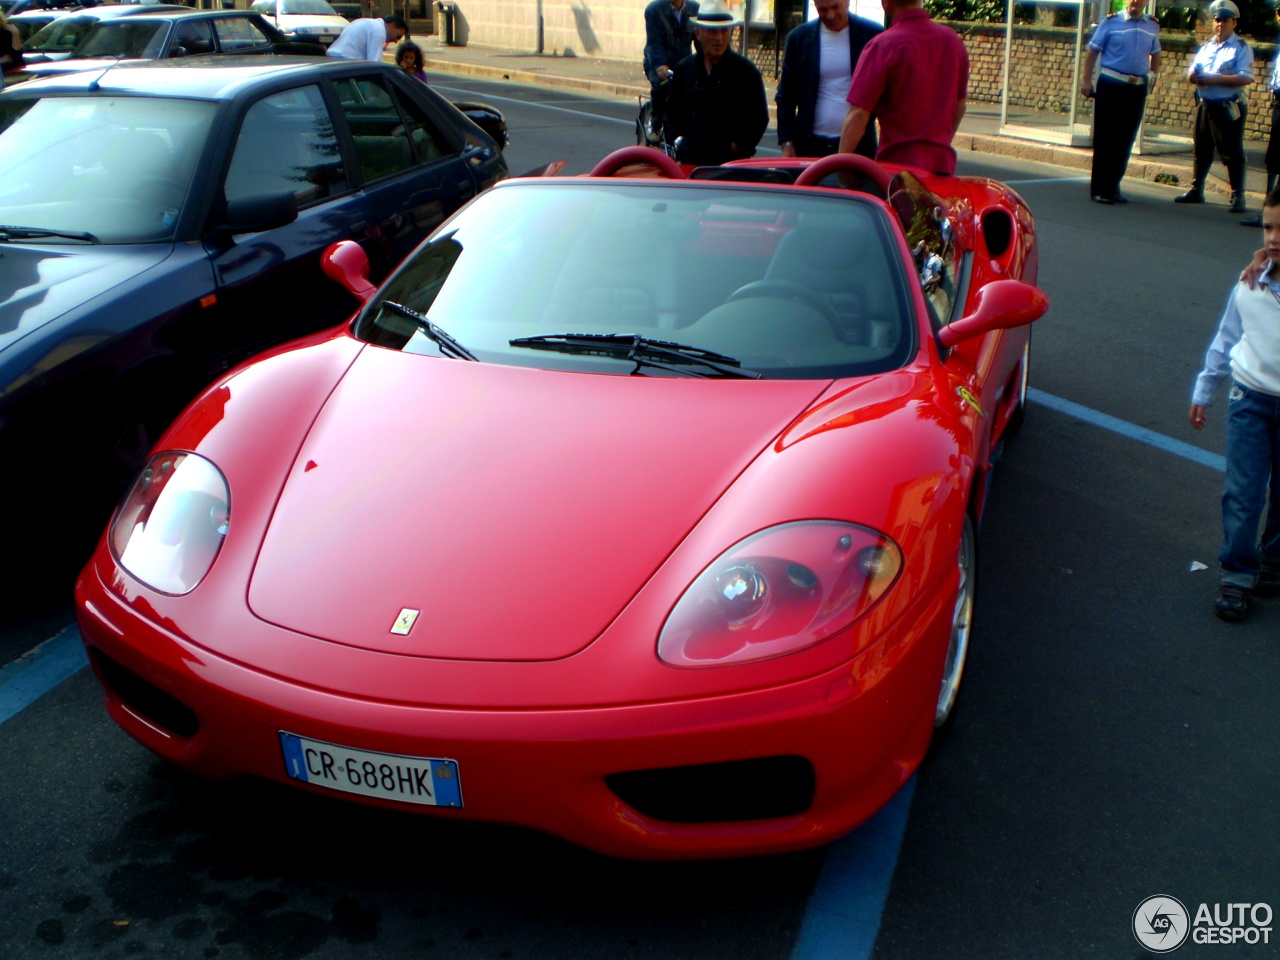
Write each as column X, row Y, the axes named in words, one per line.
column 292, row 21
column 473, row 492
column 41, row 283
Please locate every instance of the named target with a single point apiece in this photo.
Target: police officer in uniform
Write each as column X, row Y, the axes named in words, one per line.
column 1126, row 50
column 1273, row 142
column 1221, row 68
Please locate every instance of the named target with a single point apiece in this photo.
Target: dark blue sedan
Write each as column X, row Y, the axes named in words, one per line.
column 161, row 221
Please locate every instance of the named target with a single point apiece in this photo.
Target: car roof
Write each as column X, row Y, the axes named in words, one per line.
column 171, row 12
column 213, row 77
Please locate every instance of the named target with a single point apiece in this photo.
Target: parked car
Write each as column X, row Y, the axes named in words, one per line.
column 309, row 20
column 161, row 221
column 639, row 511
column 12, row 8
column 156, row 33
column 60, row 31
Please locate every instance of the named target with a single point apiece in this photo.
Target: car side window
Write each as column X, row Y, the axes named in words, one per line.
column 428, row 143
column 192, row 38
column 391, row 134
column 287, row 142
column 239, row 33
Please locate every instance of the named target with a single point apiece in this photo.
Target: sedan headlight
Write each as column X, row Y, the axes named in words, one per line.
column 779, row 591
column 170, row 527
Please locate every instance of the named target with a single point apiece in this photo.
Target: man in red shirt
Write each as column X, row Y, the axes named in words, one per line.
column 914, row 77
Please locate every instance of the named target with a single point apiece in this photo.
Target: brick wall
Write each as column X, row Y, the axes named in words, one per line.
column 1040, row 75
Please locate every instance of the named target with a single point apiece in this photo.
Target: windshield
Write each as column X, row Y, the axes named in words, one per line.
column 115, row 167
column 129, row 38
column 60, row 36
column 788, row 284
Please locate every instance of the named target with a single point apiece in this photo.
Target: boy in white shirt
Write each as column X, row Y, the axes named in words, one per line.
column 1247, row 346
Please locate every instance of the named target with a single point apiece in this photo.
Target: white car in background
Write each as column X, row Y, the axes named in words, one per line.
column 313, row 21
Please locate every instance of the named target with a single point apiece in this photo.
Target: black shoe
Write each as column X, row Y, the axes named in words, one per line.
column 1117, row 198
column 1254, row 221
column 1193, row 195
column 1237, row 203
column 1232, row 603
column 1268, row 584
column 1107, row 200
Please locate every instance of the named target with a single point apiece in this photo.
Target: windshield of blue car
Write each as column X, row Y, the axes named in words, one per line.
column 787, row 283
column 128, row 38
column 119, row 168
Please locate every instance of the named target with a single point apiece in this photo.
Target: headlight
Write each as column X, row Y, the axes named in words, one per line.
column 779, row 591
column 171, row 525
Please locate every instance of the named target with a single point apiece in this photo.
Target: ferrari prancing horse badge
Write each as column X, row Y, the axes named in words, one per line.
column 404, row 622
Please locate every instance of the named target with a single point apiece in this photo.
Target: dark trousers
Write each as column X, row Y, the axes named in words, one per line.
column 1215, row 130
column 1273, row 144
column 1117, row 112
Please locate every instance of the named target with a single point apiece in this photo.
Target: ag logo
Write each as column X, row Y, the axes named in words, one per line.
column 1161, row 924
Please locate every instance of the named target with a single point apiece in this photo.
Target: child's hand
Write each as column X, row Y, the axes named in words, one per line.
column 1197, row 417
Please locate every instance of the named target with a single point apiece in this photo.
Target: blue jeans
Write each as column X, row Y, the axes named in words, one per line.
column 1253, row 465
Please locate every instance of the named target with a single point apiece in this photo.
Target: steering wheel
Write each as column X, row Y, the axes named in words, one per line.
column 870, row 171
column 626, row 156
column 789, row 290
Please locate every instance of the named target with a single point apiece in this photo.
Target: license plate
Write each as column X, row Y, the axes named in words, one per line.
column 425, row 780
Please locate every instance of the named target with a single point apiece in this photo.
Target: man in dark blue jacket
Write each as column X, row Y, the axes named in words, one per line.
column 668, row 39
column 816, row 71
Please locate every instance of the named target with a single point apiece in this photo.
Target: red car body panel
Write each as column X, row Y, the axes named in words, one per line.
column 546, row 522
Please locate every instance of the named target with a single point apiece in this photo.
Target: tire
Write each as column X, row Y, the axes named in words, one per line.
column 961, row 627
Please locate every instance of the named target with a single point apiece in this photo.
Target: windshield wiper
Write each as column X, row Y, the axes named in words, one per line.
column 36, row 233
column 448, row 346
column 641, row 351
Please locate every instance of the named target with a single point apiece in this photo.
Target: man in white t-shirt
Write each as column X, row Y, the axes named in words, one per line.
column 817, row 67
column 365, row 39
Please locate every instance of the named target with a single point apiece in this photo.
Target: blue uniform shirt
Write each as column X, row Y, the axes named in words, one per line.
column 1125, row 45
column 1274, row 83
column 1233, row 55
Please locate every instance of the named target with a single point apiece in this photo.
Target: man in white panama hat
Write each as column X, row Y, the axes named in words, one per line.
column 717, row 110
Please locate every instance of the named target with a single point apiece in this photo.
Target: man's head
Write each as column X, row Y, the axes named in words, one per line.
column 713, row 26
column 397, row 29
column 892, row 8
column 1135, row 8
column 1225, row 15
column 1271, row 225
column 834, row 14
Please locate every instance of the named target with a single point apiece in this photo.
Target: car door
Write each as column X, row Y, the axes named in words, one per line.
column 270, row 285
column 411, row 171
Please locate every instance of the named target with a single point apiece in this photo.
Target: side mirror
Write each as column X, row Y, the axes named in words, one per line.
column 263, row 211
column 346, row 263
column 1002, row 305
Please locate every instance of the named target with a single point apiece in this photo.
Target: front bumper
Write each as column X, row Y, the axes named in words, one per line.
column 861, row 730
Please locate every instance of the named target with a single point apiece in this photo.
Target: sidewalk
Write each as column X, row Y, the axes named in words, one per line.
column 978, row 131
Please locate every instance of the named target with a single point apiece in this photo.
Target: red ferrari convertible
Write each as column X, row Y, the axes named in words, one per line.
column 638, row 508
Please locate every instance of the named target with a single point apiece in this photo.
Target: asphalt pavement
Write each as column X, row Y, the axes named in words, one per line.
column 979, row 131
